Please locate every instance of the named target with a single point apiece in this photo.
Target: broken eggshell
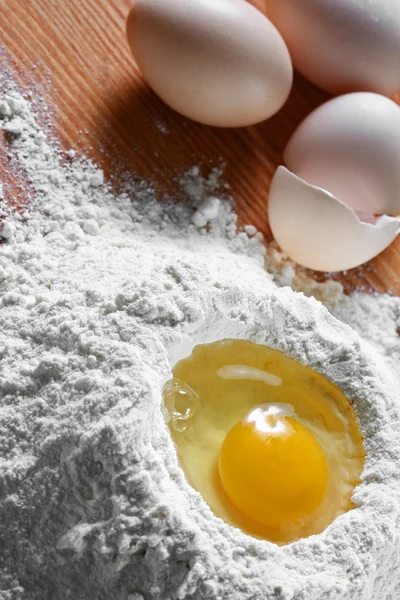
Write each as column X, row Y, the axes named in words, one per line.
column 350, row 146
column 339, row 239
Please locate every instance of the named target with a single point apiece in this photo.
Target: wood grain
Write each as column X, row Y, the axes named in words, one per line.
column 75, row 55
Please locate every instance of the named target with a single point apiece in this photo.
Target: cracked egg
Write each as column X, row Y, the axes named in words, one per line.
column 333, row 208
column 273, row 447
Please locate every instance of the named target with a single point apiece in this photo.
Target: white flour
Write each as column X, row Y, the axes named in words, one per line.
column 376, row 318
column 99, row 295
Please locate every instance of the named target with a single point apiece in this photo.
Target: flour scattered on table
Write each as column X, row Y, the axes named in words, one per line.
column 99, row 294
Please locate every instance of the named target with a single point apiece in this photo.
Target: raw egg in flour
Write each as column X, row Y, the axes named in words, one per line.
column 273, row 447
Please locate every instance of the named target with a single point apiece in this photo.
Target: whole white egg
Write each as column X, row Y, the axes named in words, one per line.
column 342, row 45
column 219, row 62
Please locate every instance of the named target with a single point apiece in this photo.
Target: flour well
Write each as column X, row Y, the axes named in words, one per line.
column 99, row 295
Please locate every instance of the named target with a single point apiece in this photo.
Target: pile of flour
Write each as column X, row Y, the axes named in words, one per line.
column 376, row 318
column 100, row 293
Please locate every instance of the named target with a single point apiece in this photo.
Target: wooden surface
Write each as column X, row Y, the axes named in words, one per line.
column 74, row 54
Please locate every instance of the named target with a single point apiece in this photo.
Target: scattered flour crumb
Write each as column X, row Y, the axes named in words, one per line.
column 7, row 230
column 14, row 126
column 286, row 273
column 207, row 211
column 250, row 230
column 162, row 127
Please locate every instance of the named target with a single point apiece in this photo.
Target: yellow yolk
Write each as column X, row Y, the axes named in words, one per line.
column 276, row 475
column 273, row 447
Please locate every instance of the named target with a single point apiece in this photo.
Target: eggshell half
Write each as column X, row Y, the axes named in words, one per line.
column 342, row 45
column 318, row 231
column 350, row 146
column 219, row 62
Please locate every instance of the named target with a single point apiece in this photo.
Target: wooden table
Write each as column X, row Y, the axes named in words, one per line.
column 74, row 54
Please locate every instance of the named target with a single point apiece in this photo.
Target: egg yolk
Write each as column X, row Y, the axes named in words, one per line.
column 273, row 447
column 273, row 469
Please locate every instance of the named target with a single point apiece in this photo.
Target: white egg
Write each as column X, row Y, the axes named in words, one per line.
column 318, row 231
column 342, row 45
column 219, row 62
column 350, row 147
